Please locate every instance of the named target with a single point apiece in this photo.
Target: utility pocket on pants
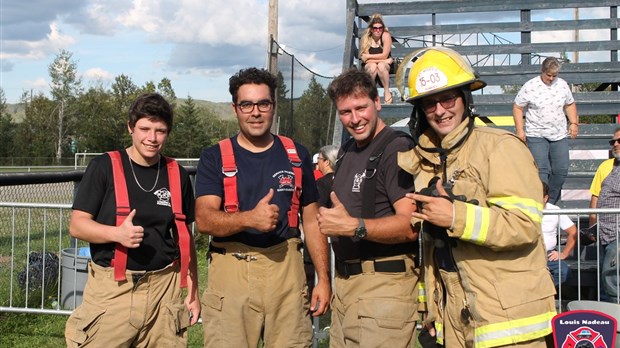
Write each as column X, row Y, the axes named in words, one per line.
column 83, row 324
column 212, row 304
column 178, row 316
column 387, row 322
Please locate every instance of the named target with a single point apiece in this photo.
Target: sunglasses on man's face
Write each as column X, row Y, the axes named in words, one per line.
column 613, row 142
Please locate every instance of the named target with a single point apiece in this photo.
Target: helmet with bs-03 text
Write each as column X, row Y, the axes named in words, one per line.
column 437, row 69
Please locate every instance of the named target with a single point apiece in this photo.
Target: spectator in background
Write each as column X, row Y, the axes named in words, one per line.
column 326, row 161
column 551, row 224
column 546, row 99
column 603, row 171
column 315, row 164
column 327, row 165
column 605, row 191
column 375, row 47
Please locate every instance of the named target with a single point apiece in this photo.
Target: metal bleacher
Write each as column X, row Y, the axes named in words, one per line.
column 505, row 42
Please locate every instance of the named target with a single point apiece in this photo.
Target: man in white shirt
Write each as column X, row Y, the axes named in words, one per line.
column 550, row 223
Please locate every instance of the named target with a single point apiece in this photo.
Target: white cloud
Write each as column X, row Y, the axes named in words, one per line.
column 39, row 49
column 98, row 74
column 38, row 84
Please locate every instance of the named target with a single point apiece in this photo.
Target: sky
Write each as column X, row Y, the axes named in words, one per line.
column 197, row 44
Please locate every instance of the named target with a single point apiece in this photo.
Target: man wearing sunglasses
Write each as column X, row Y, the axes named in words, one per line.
column 250, row 189
column 605, row 190
column 479, row 208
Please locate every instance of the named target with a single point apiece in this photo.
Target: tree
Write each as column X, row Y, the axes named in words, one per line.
column 189, row 134
column 36, row 134
column 312, row 116
column 8, row 129
column 65, row 86
column 124, row 92
column 99, row 126
column 164, row 87
column 284, row 108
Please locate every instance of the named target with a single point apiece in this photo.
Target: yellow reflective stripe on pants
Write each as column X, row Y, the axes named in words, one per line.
column 439, row 332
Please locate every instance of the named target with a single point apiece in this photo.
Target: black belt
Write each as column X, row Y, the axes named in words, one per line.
column 217, row 250
column 347, row 269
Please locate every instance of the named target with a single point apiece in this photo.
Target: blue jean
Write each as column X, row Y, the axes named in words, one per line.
column 559, row 271
column 552, row 160
column 609, row 280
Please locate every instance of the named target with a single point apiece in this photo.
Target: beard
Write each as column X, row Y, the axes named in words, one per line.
column 616, row 154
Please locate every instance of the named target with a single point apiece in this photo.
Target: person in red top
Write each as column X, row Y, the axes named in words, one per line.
column 317, row 172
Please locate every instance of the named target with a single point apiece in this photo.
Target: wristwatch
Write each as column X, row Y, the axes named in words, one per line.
column 360, row 231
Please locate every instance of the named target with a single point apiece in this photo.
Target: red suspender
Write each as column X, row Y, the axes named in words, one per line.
column 229, row 169
column 293, row 157
column 174, row 180
column 122, row 210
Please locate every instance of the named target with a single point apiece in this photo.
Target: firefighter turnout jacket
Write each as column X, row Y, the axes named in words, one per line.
column 496, row 242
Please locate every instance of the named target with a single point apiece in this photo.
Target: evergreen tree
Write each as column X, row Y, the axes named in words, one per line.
column 189, row 134
column 36, row 135
column 8, row 130
column 312, row 116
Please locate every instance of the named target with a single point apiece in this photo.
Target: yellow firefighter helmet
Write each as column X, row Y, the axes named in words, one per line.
column 438, row 69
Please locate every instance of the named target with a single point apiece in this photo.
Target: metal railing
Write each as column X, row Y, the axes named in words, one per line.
column 36, row 252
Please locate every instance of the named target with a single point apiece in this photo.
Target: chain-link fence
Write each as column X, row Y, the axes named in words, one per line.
column 304, row 110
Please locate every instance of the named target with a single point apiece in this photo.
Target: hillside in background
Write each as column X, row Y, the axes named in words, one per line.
column 223, row 110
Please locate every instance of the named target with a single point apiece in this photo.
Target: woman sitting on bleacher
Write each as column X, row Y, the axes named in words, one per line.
column 376, row 44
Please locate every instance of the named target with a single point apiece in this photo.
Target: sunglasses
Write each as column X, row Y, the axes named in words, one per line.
column 447, row 101
column 614, row 141
column 377, row 28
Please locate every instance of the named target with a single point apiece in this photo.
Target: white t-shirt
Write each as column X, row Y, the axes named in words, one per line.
column 544, row 108
column 550, row 227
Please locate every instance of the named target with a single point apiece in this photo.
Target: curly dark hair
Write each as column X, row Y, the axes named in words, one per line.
column 252, row 76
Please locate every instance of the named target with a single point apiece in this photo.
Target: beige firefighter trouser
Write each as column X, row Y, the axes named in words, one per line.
column 254, row 292
column 459, row 332
column 375, row 309
column 146, row 310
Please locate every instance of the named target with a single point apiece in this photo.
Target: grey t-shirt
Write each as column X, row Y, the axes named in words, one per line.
column 392, row 184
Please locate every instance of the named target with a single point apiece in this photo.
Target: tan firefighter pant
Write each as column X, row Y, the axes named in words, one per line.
column 146, row 310
column 256, row 291
column 374, row 309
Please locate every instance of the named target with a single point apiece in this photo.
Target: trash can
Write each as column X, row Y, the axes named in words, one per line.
column 74, row 276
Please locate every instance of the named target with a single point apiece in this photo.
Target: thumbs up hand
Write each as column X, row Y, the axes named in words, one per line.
column 265, row 214
column 130, row 235
column 336, row 221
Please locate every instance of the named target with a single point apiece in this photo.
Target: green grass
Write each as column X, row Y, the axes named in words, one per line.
column 47, row 330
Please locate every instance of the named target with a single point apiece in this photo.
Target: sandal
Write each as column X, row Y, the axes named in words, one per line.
column 387, row 100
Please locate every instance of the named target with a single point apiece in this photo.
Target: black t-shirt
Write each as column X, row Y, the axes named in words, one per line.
column 256, row 174
column 392, row 184
column 96, row 196
column 324, row 185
